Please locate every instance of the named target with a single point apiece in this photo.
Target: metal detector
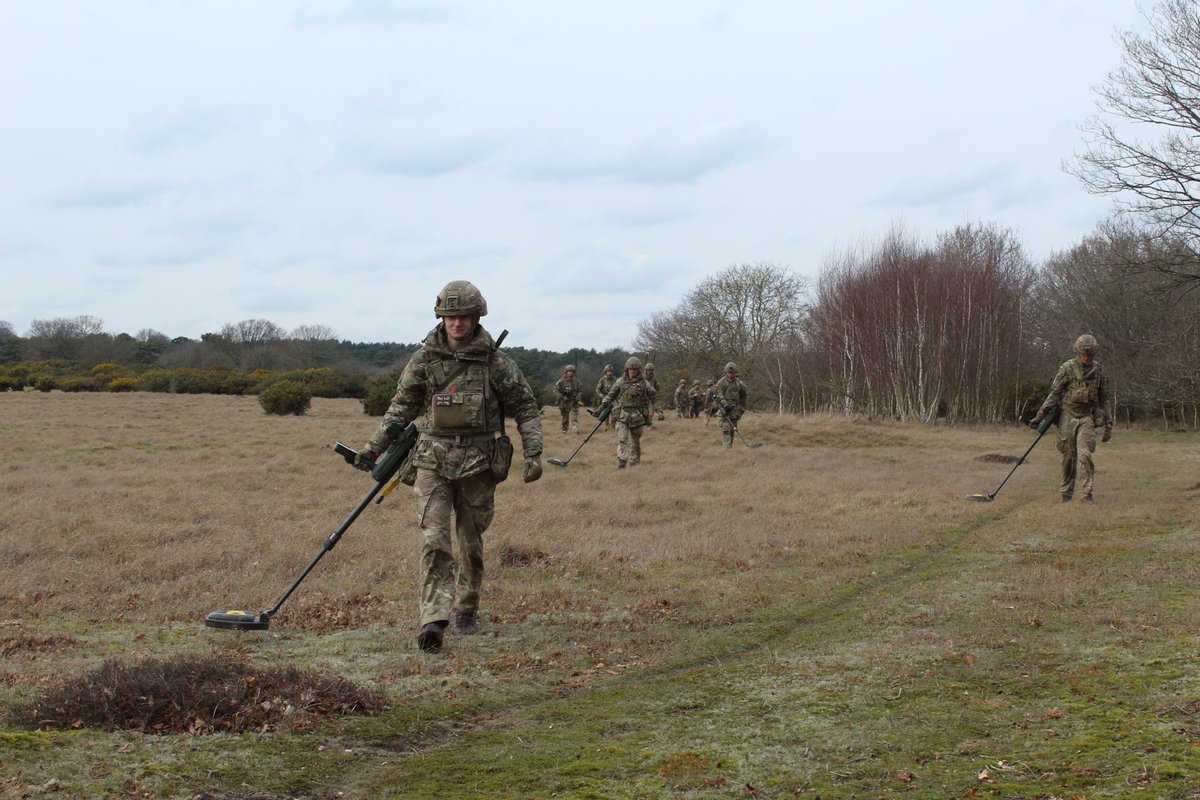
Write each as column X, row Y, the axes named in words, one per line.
column 602, row 416
column 383, row 473
column 743, row 438
column 1044, row 426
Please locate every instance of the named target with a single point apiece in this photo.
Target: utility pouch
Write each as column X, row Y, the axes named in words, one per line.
column 408, row 470
column 502, row 453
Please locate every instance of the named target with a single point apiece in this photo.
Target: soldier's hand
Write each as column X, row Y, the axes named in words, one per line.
column 1037, row 420
column 365, row 460
column 532, row 470
column 1107, row 433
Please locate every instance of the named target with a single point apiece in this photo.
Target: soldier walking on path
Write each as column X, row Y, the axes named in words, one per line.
column 461, row 388
column 567, row 393
column 632, row 400
column 696, row 399
column 1081, row 392
column 729, row 398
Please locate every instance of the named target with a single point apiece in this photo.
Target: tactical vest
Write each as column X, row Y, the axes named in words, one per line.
column 1083, row 389
column 463, row 404
column 633, row 394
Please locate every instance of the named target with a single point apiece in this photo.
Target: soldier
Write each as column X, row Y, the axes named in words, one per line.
column 696, row 398
column 1081, row 392
column 729, row 397
column 567, row 393
column 461, row 388
column 655, row 407
column 602, row 386
column 632, row 402
column 682, row 405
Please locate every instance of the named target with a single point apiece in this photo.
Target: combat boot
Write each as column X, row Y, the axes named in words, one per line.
column 1087, row 498
column 1066, row 497
column 620, row 463
column 465, row 622
column 431, row 635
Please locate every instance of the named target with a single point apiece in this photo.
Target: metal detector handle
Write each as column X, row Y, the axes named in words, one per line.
column 345, row 452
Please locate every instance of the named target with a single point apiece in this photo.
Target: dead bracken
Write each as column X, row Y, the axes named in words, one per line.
column 197, row 695
column 997, row 458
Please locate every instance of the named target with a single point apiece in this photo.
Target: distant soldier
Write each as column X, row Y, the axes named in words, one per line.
column 696, row 398
column 1081, row 392
column 632, row 401
column 656, row 407
column 729, row 397
column 602, row 386
column 710, row 395
column 567, row 393
column 682, row 404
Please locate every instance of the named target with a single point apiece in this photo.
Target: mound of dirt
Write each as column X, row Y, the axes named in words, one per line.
column 197, row 695
column 997, row 458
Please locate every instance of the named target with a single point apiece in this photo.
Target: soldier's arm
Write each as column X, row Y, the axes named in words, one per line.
column 519, row 403
column 407, row 404
column 1054, row 398
column 1104, row 398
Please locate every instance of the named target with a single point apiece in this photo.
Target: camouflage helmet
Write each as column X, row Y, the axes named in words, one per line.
column 710, row 382
column 649, row 366
column 696, row 382
column 633, row 362
column 682, row 381
column 568, row 368
column 1087, row 345
column 731, row 367
column 608, row 367
column 460, row 299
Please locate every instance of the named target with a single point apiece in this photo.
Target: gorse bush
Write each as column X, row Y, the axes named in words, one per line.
column 286, row 397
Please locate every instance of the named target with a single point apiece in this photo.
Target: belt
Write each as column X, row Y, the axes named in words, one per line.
column 464, row 438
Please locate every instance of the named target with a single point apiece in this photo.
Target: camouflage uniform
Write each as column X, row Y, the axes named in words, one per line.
column 457, row 398
column 602, row 387
column 729, row 397
column 567, row 392
column 710, row 399
column 1082, row 394
column 696, row 399
column 632, row 402
column 655, row 406
column 682, row 406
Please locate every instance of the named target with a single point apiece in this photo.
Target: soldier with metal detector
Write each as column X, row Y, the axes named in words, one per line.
column 602, row 386
column 1081, row 392
column 459, row 388
column 631, row 401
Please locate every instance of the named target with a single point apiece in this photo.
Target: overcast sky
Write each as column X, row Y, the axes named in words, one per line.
column 184, row 165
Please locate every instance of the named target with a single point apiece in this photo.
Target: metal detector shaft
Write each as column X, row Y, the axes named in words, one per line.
column 1045, row 426
column 557, row 463
column 329, row 544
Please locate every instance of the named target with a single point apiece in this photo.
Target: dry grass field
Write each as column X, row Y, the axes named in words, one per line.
column 825, row 616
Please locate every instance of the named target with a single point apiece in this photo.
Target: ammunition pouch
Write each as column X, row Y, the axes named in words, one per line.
column 408, row 470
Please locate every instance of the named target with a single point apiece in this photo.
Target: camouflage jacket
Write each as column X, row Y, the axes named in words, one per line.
column 457, row 399
column 604, row 384
column 632, row 401
column 1080, row 389
column 568, row 391
column 730, row 394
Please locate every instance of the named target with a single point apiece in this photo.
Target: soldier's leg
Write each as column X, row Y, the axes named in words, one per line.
column 623, row 438
column 575, row 418
column 1066, row 446
column 474, row 508
column 727, row 430
column 565, row 412
column 434, row 500
column 1085, row 445
column 635, row 446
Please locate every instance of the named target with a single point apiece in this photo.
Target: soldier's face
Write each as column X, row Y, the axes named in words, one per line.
column 570, row 373
column 1085, row 358
column 731, row 374
column 459, row 329
column 632, row 372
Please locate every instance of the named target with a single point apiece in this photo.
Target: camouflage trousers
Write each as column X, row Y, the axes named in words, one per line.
column 570, row 417
column 629, row 443
column 1077, row 442
column 728, row 423
column 452, row 583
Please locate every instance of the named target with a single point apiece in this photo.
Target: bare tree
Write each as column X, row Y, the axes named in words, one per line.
column 63, row 337
column 1156, row 179
column 313, row 346
column 251, row 343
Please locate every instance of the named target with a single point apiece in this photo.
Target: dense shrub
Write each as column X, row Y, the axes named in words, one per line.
column 156, row 380
column 286, row 397
column 123, row 383
column 378, row 396
column 194, row 381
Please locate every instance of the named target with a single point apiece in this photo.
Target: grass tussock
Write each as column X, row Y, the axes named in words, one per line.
column 196, row 695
